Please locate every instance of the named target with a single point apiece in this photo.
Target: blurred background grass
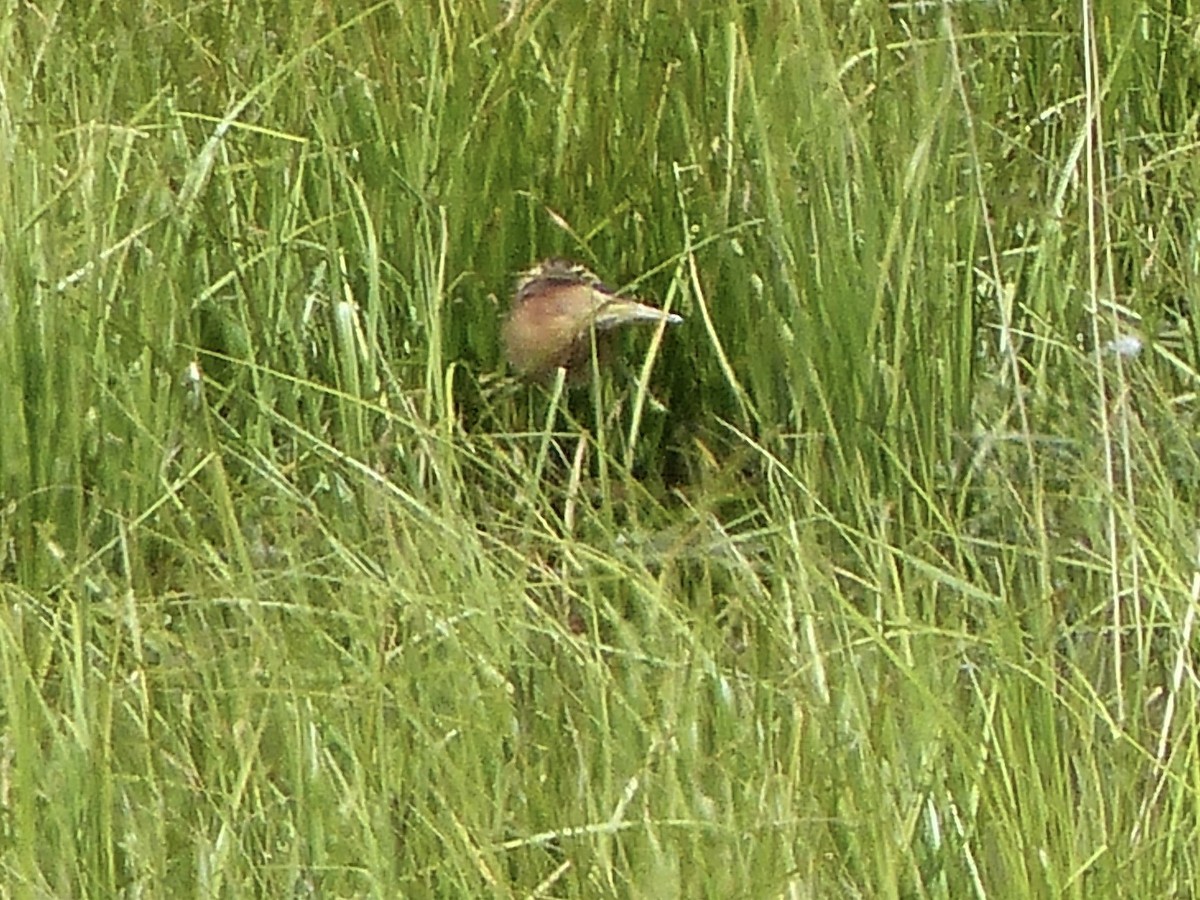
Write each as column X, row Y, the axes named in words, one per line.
column 875, row 579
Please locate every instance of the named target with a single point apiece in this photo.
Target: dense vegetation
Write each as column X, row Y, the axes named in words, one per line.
column 876, row 578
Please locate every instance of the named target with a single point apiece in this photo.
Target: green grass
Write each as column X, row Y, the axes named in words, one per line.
column 876, row 578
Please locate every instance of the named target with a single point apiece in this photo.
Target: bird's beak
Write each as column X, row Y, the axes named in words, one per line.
column 618, row 312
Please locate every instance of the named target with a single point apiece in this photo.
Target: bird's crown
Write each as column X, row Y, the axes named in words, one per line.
column 551, row 273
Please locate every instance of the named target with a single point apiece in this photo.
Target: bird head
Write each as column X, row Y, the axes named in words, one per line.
column 557, row 310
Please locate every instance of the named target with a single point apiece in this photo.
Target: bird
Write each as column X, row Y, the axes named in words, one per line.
column 556, row 308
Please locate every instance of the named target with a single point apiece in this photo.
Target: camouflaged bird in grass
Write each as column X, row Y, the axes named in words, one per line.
column 557, row 307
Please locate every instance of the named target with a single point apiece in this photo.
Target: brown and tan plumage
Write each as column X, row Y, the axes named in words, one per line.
column 557, row 307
